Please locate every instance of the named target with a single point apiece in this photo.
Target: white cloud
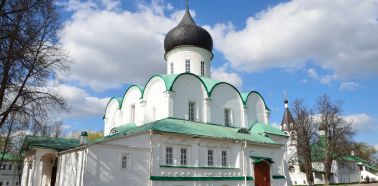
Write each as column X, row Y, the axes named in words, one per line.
column 349, row 86
column 325, row 79
column 110, row 48
column 312, row 73
column 221, row 74
column 80, row 103
column 337, row 35
column 361, row 121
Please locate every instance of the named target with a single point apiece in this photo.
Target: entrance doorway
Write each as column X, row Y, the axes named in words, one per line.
column 262, row 173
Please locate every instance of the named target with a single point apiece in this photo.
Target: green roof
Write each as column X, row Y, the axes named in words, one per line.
column 361, row 161
column 265, row 128
column 168, row 125
column 185, row 127
column 9, row 156
column 123, row 127
column 59, row 144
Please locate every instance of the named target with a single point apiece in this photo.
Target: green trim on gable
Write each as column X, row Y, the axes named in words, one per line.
column 119, row 100
column 209, row 85
column 170, row 79
column 278, row 177
column 258, row 159
column 140, row 88
column 220, row 83
column 265, row 128
column 192, row 167
column 245, row 96
column 223, row 178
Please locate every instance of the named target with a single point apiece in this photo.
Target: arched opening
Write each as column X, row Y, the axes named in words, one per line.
column 49, row 169
column 262, row 173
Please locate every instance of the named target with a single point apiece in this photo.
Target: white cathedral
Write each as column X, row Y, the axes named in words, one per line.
column 181, row 128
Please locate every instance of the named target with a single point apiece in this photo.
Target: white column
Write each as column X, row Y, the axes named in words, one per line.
column 244, row 121
column 34, row 169
column 142, row 112
column 207, row 110
column 25, row 173
column 169, row 97
column 267, row 116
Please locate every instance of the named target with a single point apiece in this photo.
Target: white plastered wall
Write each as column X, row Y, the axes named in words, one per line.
column 131, row 97
column 256, row 109
column 71, row 167
column 112, row 116
column 178, row 56
column 104, row 162
column 155, row 100
column 223, row 97
column 188, row 88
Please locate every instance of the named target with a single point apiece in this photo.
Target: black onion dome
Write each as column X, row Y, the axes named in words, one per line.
column 188, row 33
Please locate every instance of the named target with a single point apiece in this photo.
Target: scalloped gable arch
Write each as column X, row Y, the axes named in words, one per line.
column 149, row 80
column 245, row 97
column 119, row 100
column 205, row 88
column 220, row 83
column 169, row 81
column 141, row 89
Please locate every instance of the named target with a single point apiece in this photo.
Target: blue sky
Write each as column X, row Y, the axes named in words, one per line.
column 305, row 48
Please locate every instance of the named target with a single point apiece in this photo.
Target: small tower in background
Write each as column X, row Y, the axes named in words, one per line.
column 287, row 124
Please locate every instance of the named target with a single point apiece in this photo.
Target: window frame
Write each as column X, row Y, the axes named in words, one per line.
column 202, row 68
column 167, row 162
column 210, row 158
column 227, row 113
column 127, row 162
column 224, row 158
column 187, row 65
column 192, row 111
column 132, row 113
column 172, row 68
column 183, row 157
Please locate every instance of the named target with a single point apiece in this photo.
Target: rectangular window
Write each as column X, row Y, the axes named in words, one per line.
column 191, row 113
column 4, row 166
column 210, row 157
column 169, row 156
column 187, row 65
column 124, row 161
column 202, row 68
column 183, row 156
column 132, row 113
column 9, row 167
column 171, row 68
column 224, row 158
column 227, row 117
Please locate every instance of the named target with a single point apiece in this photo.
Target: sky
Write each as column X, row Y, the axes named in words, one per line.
column 306, row 48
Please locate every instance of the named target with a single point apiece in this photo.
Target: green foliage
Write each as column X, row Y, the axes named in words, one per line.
column 94, row 135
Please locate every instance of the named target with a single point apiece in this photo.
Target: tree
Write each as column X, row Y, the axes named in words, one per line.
column 14, row 123
column 93, row 135
column 29, row 58
column 337, row 132
column 363, row 150
column 305, row 132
